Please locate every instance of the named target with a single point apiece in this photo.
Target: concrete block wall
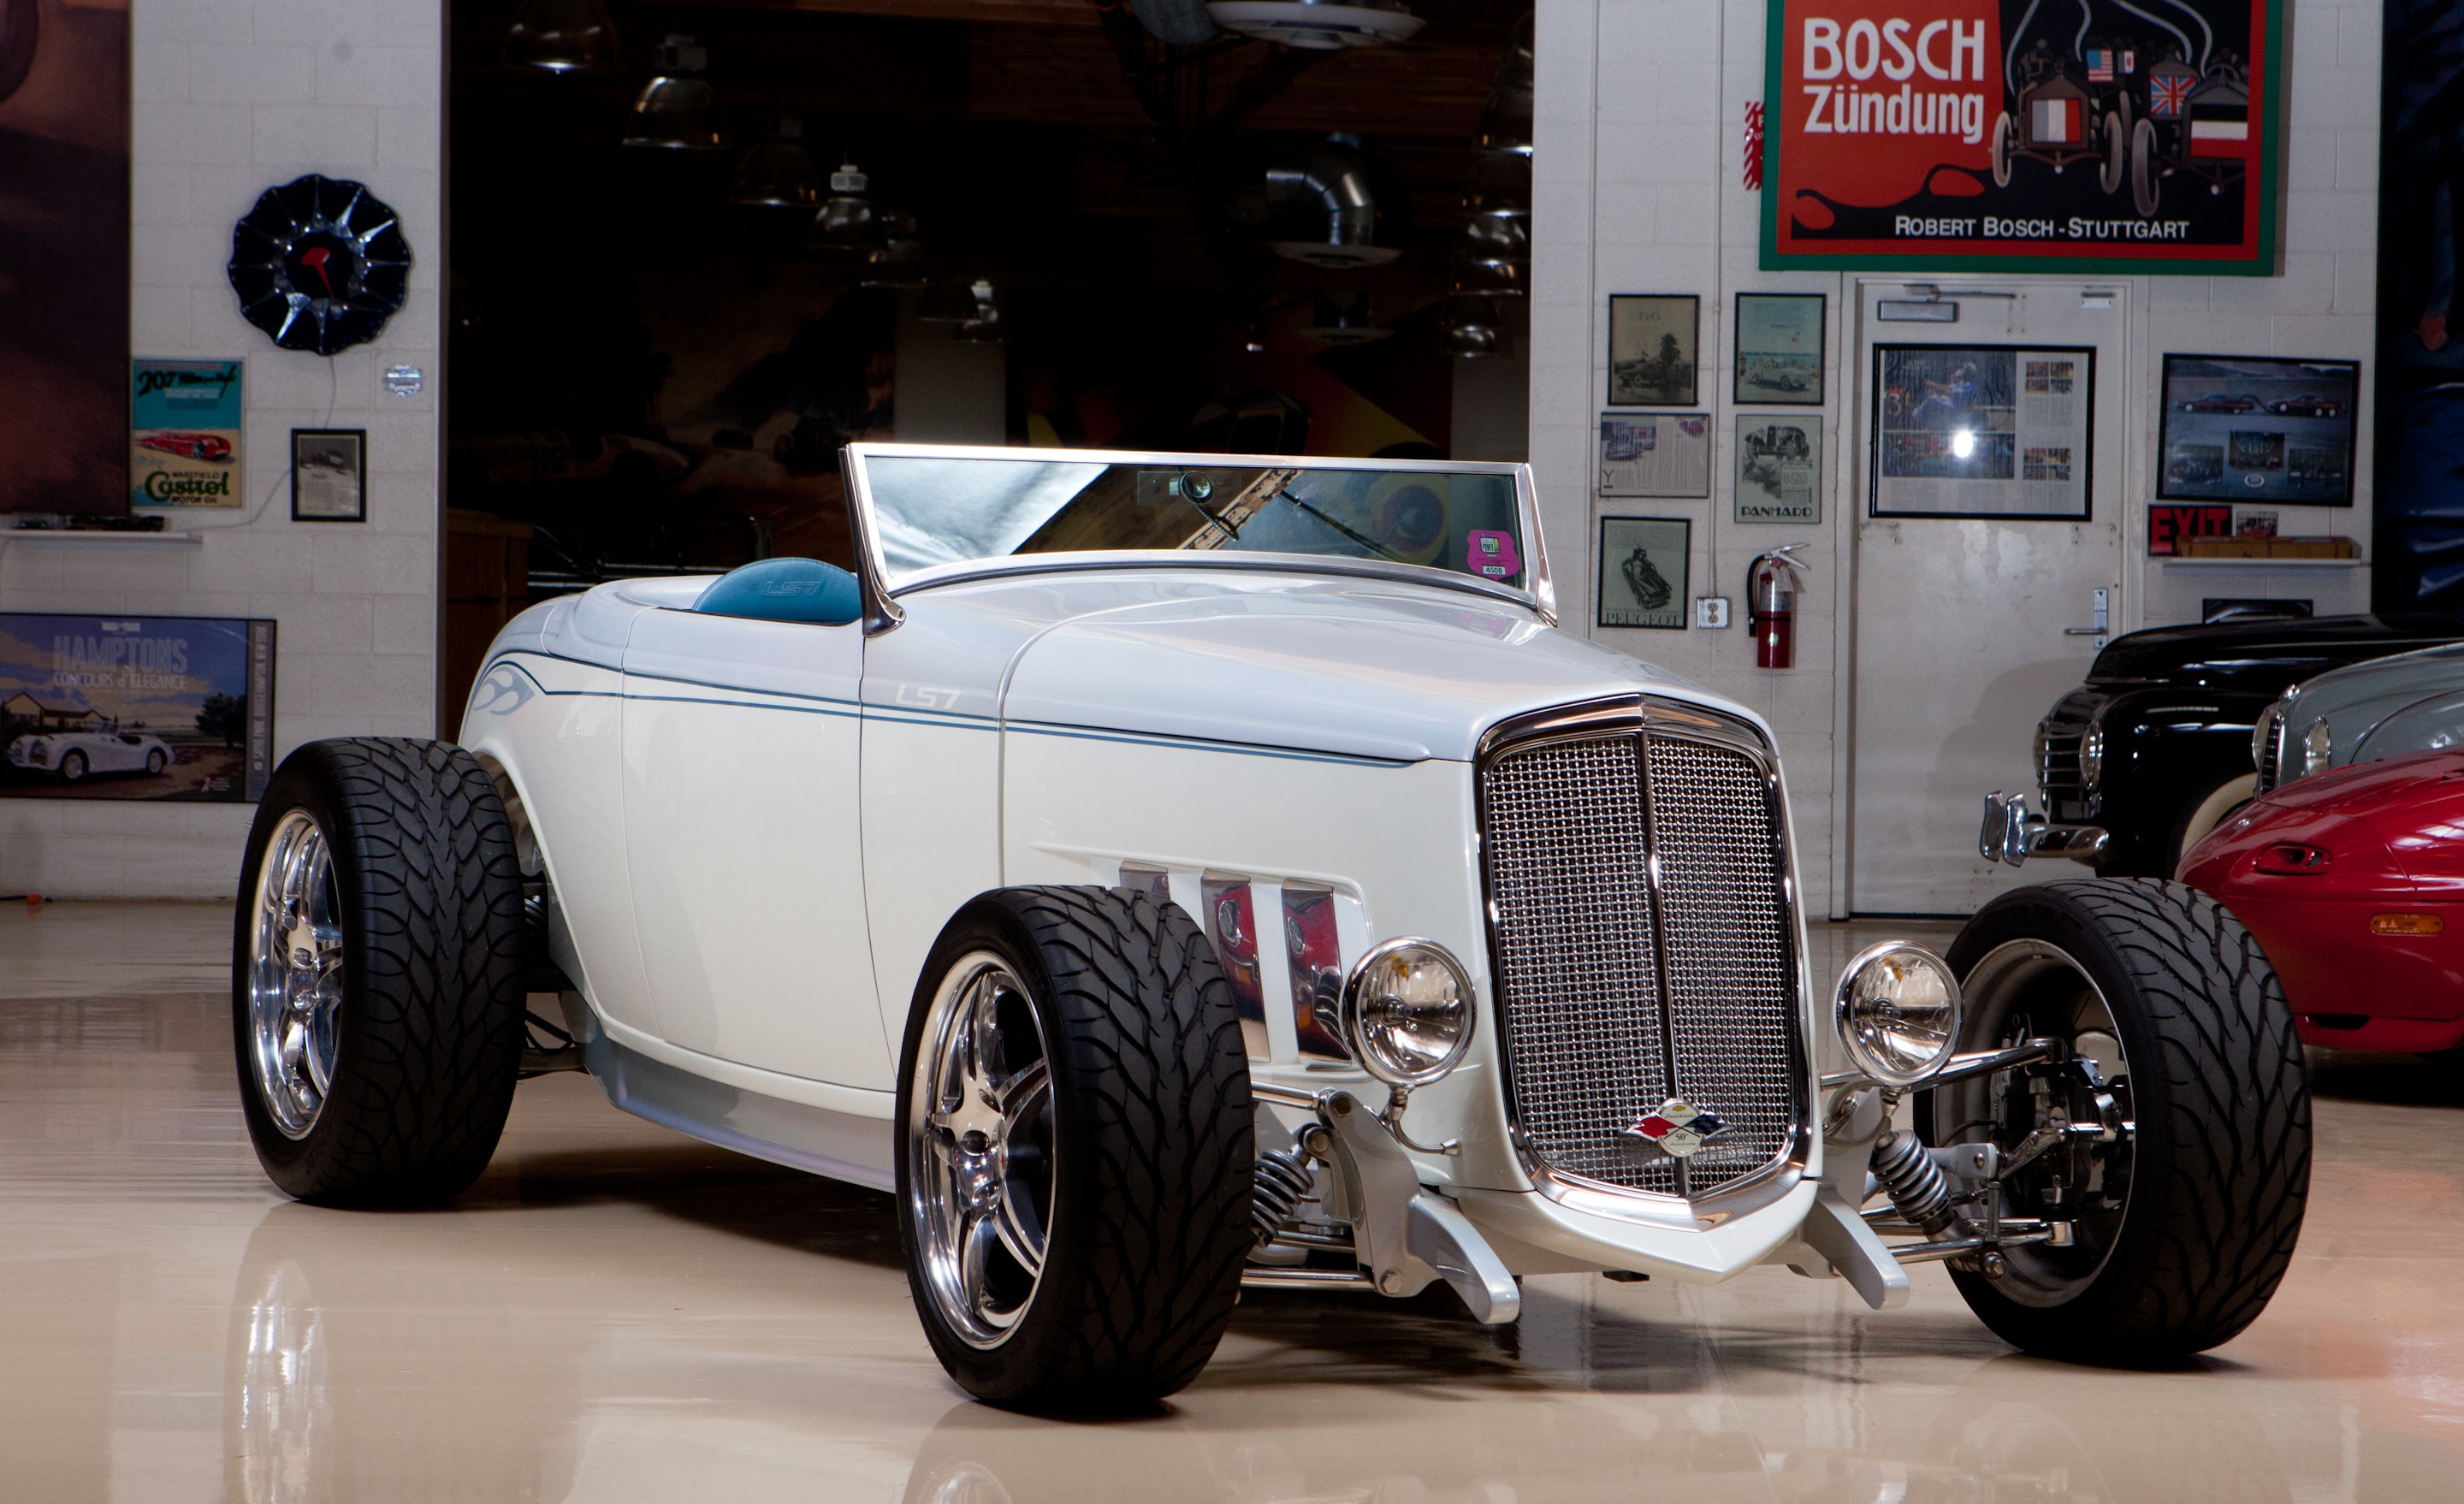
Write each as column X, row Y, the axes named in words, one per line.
column 233, row 96
column 1638, row 145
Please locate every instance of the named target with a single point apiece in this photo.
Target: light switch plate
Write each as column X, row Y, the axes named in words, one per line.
column 1711, row 612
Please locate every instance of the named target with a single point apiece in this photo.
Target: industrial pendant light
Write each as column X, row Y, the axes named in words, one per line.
column 1317, row 25
column 985, row 327
column 1472, row 330
column 775, row 174
column 677, row 111
column 847, row 224
column 562, row 36
column 1343, row 319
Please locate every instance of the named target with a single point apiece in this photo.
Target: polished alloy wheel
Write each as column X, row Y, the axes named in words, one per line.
column 979, row 1146
column 295, row 982
column 2029, row 989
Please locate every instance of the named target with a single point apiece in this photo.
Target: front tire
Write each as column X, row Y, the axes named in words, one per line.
column 377, row 972
column 2185, row 1227
column 156, row 761
column 1077, row 1149
column 2003, row 127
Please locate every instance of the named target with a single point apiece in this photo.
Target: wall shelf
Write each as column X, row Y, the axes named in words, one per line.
column 76, row 538
column 2197, row 564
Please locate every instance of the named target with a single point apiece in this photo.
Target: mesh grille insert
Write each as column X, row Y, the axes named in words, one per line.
column 1579, row 981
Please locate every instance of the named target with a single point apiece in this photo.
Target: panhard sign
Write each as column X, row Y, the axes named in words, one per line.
column 2023, row 135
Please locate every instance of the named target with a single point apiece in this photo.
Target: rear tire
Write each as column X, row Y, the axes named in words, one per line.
column 1114, row 1151
column 2216, row 1175
column 72, row 766
column 378, row 965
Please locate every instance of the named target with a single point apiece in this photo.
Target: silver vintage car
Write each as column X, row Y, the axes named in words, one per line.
column 1167, row 874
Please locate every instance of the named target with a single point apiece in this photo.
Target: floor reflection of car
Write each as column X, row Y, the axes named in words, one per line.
column 2221, row 402
column 72, row 755
column 2306, row 406
column 188, row 445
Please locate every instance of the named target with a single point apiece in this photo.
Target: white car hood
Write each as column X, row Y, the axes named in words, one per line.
column 1361, row 671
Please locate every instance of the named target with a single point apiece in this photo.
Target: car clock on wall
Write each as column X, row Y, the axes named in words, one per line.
column 320, row 264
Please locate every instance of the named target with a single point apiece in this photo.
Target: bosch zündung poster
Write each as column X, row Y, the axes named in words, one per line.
column 2126, row 134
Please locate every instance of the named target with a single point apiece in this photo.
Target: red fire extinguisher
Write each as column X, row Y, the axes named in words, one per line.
column 1772, row 583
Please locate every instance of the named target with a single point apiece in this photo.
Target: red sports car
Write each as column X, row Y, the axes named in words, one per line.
column 2353, row 882
column 191, row 446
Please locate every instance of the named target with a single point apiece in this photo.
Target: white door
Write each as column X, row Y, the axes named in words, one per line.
column 741, row 818
column 1967, row 629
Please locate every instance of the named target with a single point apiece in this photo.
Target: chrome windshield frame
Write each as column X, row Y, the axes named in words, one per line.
column 883, row 613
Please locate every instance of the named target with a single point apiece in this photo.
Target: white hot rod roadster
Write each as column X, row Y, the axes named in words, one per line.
column 1167, row 874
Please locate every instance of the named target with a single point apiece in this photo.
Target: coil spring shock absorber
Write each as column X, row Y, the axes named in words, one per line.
column 1916, row 1183
column 1285, row 1180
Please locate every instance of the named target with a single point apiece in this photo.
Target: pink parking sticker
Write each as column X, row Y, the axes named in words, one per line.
column 1492, row 555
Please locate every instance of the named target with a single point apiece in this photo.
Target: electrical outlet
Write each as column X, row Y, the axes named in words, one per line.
column 1711, row 612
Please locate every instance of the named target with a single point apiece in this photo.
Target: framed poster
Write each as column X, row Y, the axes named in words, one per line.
column 1656, row 455
column 1652, row 343
column 183, row 420
column 1780, row 349
column 329, row 475
column 1779, row 469
column 1642, row 571
column 2008, row 135
column 2001, row 430
column 2242, row 428
column 162, row 708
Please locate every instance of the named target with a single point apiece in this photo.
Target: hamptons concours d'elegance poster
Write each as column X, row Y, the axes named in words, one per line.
column 2127, row 135
column 135, row 707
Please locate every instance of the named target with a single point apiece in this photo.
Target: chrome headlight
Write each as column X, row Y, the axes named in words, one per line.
column 2091, row 756
column 2317, row 744
column 1898, row 1012
column 1408, row 1012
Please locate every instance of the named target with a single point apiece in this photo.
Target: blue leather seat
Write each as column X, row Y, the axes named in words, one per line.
column 785, row 591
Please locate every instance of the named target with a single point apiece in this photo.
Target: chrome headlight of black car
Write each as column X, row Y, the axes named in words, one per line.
column 2091, row 756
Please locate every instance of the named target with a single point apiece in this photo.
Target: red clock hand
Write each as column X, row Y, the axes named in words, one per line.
column 313, row 258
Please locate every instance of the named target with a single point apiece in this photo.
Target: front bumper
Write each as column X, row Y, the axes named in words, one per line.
column 2011, row 834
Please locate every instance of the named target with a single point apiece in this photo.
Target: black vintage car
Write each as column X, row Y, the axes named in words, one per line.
column 2148, row 755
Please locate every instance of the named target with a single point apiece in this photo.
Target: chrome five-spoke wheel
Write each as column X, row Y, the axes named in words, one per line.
column 979, row 1146
column 295, row 981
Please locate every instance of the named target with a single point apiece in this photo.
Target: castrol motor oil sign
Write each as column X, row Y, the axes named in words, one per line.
column 2022, row 134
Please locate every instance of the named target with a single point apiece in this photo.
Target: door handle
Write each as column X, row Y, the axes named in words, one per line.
column 2104, row 618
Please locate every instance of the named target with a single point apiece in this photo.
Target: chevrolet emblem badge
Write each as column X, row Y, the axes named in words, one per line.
column 1676, row 1129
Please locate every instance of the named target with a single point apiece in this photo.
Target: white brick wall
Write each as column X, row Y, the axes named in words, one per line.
column 1640, row 112
column 231, row 98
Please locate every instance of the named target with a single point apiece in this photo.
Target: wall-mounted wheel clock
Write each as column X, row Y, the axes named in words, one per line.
column 320, row 264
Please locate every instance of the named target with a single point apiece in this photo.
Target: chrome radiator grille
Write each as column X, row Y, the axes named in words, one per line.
column 1601, row 978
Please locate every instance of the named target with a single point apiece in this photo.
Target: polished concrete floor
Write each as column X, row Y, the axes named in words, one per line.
column 620, row 1313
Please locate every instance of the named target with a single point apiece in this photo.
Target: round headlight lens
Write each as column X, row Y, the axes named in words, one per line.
column 1407, row 1012
column 2317, row 744
column 1898, row 1012
column 2091, row 756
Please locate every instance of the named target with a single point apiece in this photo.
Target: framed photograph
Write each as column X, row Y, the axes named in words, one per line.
column 156, row 708
column 1780, row 349
column 1779, row 469
column 1652, row 343
column 1642, row 571
column 329, row 475
column 2246, row 428
column 1656, row 455
column 2000, row 431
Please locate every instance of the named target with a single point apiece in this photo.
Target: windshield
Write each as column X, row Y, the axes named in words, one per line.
column 929, row 511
